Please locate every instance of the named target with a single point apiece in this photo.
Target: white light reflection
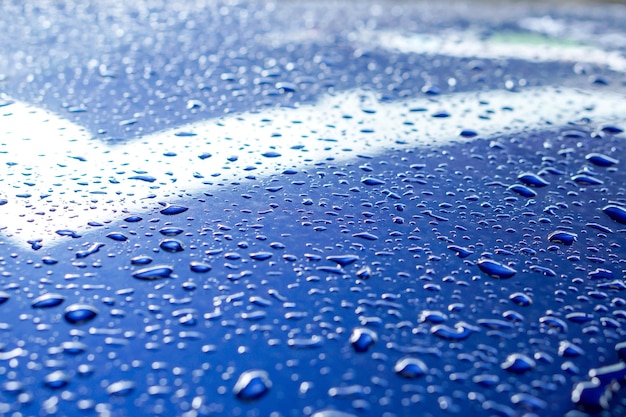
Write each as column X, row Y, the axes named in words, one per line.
column 469, row 45
column 56, row 176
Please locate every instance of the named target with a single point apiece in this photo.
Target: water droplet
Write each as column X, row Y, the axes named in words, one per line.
column 199, row 267
column 365, row 236
column 56, row 380
column 532, row 180
column 314, row 341
column 495, row 269
column 461, row 331
column 73, row 347
column 565, row 238
column 601, row 160
column 343, row 260
column 47, row 300
column 521, row 299
column 121, row 388
column 4, row 297
column 591, row 396
column 460, row 251
column 260, row 256
column 362, row 339
column 171, row 231
column 569, row 350
column 410, row 368
column 522, row 190
column 141, row 260
column 616, row 213
column 271, row 154
column 171, row 245
column 372, row 181
column 173, row 209
column 518, row 363
column 80, row 313
column 252, row 384
column 586, row 180
column 153, row 273
column 117, row 236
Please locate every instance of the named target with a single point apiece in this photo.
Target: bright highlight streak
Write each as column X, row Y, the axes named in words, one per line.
column 468, row 45
column 57, row 176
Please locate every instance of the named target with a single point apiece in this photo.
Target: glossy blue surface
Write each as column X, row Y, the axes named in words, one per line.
column 278, row 209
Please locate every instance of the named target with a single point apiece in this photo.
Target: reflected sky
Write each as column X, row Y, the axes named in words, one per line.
column 58, row 177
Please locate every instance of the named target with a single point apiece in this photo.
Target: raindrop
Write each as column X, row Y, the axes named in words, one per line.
column 252, row 384
column 521, row 299
column 47, row 300
column 343, row 260
column 586, row 180
column 171, row 231
column 495, row 269
column 171, row 245
column 518, row 363
column 56, row 380
column 591, row 396
column 121, row 388
column 601, row 160
column 362, row 339
column 410, row 368
column 616, row 213
column 260, row 256
column 4, row 297
column 532, row 180
column 522, row 190
column 199, row 267
column 141, row 260
column 80, row 313
column 569, row 350
column 372, row 181
column 564, row 238
column 117, row 236
column 153, row 273
column 173, row 209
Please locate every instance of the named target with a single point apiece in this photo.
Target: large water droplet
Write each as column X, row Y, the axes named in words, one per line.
column 518, row 363
column 80, row 313
column 252, row 384
column 121, row 388
column 616, row 213
column 362, row 339
column 173, row 209
column 495, row 269
column 410, row 368
column 153, row 272
column 47, row 300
